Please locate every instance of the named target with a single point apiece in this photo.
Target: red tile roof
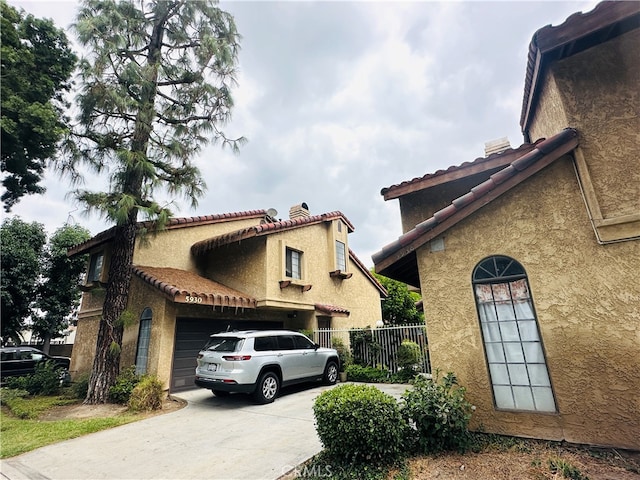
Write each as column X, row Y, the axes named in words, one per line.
column 332, row 310
column 182, row 286
column 182, row 222
column 204, row 246
column 398, row 259
column 579, row 32
column 481, row 164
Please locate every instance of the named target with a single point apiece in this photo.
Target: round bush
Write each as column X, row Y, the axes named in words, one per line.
column 408, row 354
column 359, row 424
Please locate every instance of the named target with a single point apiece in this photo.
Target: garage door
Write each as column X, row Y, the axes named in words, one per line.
column 191, row 336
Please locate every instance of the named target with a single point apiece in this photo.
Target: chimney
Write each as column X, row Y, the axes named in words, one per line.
column 299, row 211
column 496, row 146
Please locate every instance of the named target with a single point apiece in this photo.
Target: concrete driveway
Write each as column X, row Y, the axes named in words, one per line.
column 211, row 438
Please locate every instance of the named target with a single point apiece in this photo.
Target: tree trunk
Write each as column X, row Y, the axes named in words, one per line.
column 46, row 345
column 106, row 363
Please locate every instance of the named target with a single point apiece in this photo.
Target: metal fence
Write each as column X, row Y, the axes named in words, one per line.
column 378, row 347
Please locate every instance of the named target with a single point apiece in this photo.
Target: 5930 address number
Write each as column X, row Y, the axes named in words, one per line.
column 190, row 299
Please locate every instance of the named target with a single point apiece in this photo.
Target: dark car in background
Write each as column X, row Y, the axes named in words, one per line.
column 18, row 361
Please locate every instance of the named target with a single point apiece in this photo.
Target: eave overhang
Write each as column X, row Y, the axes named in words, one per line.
column 204, row 246
column 493, row 162
column 173, row 223
column 398, row 259
column 181, row 286
column 579, row 32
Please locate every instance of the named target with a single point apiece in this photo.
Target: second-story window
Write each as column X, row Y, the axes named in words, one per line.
column 341, row 256
column 95, row 267
column 294, row 264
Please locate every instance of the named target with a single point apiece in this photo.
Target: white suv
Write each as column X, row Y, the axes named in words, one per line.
column 260, row 362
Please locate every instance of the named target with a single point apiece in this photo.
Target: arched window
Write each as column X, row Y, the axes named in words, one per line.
column 512, row 342
column 144, row 336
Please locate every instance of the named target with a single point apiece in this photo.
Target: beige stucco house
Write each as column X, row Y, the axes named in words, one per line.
column 244, row 270
column 528, row 259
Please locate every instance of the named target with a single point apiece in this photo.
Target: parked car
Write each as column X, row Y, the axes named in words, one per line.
column 18, row 361
column 261, row 362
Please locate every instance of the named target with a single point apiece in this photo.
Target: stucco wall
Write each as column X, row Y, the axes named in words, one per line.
column 172, row 248
column 239, row 265
column 256, row 266
column 596, row 92
column 586, row 297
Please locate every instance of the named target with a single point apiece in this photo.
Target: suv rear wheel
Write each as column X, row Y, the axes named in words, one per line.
column 331, row 373
column 267, row 388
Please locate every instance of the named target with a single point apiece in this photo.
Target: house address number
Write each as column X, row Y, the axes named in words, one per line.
column 190, row 299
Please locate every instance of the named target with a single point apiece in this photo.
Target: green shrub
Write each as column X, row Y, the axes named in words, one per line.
column 344, row 354
column 46, row 380
column 359, row 424
column 125, row 383
column 80, row 386
column 358, row 373
column 408, row 355
column 7, row 395
column 147, row 394
column 437, row 413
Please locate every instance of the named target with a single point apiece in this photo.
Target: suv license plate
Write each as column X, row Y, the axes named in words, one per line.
column 212, row 367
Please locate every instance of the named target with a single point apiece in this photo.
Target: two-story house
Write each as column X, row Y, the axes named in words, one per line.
column 528, row 259
column 207, row 274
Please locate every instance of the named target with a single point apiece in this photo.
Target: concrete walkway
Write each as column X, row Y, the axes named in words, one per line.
column 211, row 438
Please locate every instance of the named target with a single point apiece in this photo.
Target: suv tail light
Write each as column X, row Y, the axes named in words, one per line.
column 236, row 358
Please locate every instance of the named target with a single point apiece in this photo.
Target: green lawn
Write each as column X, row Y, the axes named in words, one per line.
column 21, row 431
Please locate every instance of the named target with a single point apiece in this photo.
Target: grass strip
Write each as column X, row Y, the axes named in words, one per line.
column 20, row 436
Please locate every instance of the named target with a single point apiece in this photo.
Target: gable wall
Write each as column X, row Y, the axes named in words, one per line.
column 240, row 265
column 172, row 248
column 585, row 296
column 596, row 92
column 357, row 293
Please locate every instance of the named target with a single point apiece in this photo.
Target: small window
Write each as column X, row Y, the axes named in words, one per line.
column 303, row 343
column 265, row 344
column 293, row 264
column 224, row 344
column 341, row 257
column 95, row 267
column 513, row 346
column 285, row 342
column 144, row 338
column 339, row 225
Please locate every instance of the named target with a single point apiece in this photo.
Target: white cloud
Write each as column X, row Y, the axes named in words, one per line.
column 341, row 99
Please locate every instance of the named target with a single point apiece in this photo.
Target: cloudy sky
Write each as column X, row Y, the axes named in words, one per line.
column 341, row 99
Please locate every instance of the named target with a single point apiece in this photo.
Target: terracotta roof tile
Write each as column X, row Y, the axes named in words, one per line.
column 204, row 246
column 332, row 310
column 451, row 173
column 182, row 286
column 394, row 259
column 182, row 222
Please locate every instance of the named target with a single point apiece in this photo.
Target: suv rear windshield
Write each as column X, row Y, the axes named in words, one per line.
column 224, row 344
